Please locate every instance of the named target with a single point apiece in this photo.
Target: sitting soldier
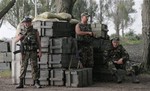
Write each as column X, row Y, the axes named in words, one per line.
column 119, row 63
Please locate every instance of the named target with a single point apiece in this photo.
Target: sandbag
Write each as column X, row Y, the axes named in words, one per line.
column 39, row 18
column 48, row 15
column 74, row 21
column 64, row 16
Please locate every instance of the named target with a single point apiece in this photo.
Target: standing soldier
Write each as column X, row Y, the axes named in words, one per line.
column 119, row 63
column 83, row 35
column 30, row 44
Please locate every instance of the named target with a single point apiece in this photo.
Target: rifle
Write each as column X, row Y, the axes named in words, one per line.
column 21, row 49
column 22, row 45
column 17, row 51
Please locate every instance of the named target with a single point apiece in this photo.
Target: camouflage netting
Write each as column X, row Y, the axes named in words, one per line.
column 48, row 16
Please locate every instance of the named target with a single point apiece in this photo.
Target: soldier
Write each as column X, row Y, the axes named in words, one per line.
column 83, row 35
column 30, row 44
column 119, row 63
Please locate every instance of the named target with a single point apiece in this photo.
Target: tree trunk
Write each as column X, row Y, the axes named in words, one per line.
column 101, row 7
column 7, row 8
column 1, row 22
column 123, row 33
column 65, row 6
column 122, row 28
column 146, row 32
column 117, row 31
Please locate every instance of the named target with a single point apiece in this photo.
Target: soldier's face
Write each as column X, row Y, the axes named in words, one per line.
column 27, row 24
column 115, row 43
column 84, row 18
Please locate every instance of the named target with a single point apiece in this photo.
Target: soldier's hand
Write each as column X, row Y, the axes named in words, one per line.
column 90, row 33
column 120, row 61
column 39, row 54
column 94, row 34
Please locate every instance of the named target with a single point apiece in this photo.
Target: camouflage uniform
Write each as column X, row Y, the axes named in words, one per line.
column 114, row 55
column 120, row 69
column 84, row 46
column 29, row 44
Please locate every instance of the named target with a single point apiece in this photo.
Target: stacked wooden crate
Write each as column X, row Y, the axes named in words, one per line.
column 79, row 77
column 61, row 52
column 5, row 54
column 57, row 51
column 58, row 54
column 101, row 44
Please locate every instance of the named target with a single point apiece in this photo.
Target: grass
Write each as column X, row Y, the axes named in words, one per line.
column 128, row 42
column 5, row 73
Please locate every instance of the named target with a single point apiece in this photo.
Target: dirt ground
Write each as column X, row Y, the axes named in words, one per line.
column 127, row 85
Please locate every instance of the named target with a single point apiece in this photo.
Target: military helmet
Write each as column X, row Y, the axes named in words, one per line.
column 115, row 39
column 85, row 14
column 27, row 19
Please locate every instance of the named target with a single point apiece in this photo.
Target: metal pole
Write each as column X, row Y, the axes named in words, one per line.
column 91, row 12
column 35, row 8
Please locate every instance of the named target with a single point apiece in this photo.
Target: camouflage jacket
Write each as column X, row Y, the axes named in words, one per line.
column 115, row 54
column 29, row 41
column 85, row 28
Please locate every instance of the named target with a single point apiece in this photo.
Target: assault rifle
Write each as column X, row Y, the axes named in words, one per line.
column 22, row 45
column 21, row 49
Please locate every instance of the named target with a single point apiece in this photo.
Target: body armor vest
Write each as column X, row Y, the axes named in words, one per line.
column 85, row 28
column 29, row 41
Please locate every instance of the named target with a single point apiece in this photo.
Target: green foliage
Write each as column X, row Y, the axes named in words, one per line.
column 132, row 36
column 127, row 41
column 79, row 7
column 113, row 36
column 3, row 3
column 104, row 10
column 84, row 6
column 5, row 73
column 120, row 12
column 24, row 8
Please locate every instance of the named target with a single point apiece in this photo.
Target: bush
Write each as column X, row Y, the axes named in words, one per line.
column 132, row 36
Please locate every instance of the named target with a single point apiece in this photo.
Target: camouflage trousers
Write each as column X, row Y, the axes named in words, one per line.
column 128, row 67
column 34, row 65
column 86, row 56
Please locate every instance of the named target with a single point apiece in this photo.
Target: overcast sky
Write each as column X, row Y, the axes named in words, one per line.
column 7, row 31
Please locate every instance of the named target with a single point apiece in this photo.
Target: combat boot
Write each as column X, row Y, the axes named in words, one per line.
column 119, row 78
column 20, row 84
column 37, row 85
column 135, row 79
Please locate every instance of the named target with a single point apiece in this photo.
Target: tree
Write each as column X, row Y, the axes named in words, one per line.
column 7, row 8
column 25, row 8
column 21, row 9
column 104, row 13
column 126, row 8
column 64, row 6
column 146, row 32
column 79, row 7
column 92, row 9
column 120, row 14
